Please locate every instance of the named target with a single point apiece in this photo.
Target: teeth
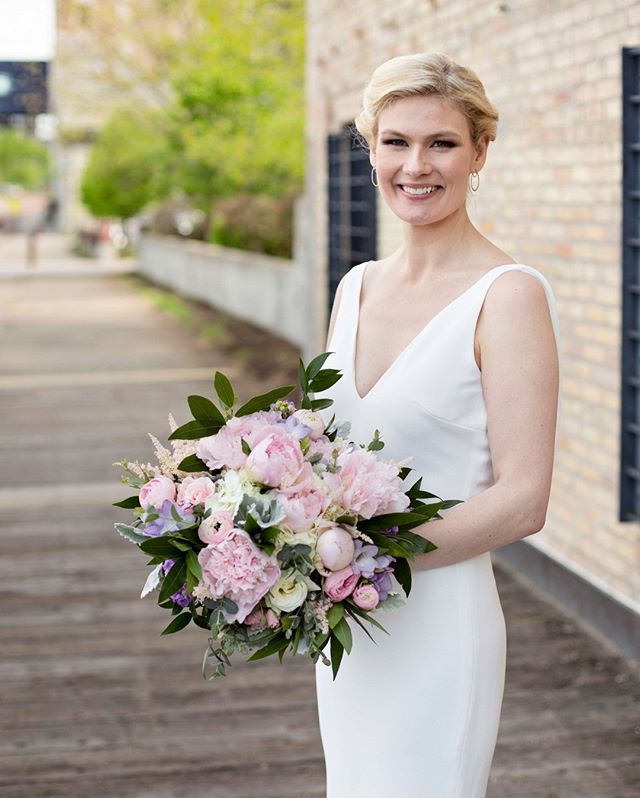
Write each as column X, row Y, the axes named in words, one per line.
column 425, row 190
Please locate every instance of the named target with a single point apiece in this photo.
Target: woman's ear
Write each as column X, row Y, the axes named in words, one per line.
column 481, row 153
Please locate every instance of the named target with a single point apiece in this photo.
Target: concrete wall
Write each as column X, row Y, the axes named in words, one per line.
column 261, row 289
column 550, row 195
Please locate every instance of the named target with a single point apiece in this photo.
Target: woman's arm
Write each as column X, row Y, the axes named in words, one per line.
column 520, row 383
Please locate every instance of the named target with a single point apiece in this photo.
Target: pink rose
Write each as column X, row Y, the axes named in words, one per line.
column 156, row 491
column 276, row 458
column 237, row 569
column 366, row 597
column 370, row 486
column 340, row 584
column 195, row 491
column 215, row 527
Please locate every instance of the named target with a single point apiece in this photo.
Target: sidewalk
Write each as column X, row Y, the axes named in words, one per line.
column 95, row 703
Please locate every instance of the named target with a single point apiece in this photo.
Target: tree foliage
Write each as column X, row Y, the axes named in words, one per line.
column 230, row 86
column 127, row 168
column 24, row 161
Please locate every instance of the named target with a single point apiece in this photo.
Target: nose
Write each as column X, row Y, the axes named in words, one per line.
column 417, row 162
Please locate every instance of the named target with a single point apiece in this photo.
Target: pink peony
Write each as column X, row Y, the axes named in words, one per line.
column 215, row 527
column 335, row 548
column 276, row 458
column 195, row 491
column 225, row 447
column 366, row 597
column 235, row 568
column 156, row 491
column 340, row 584
column 370, row 486
column 324, row 447
column 302, row 509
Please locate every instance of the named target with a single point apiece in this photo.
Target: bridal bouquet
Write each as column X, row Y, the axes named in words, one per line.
column 272, row 530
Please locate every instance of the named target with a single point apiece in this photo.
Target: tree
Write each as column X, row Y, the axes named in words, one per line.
column 127, row 167
column 23, row 160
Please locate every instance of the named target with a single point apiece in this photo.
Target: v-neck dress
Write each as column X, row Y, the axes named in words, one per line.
column 416, row 714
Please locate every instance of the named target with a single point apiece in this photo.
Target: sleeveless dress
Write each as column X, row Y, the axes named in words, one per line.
column 416, row 714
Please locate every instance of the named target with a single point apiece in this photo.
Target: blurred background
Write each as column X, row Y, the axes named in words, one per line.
column 180, row 192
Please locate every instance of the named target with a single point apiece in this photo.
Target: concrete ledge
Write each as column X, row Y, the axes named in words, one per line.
column 261, row 289
column 609, row 618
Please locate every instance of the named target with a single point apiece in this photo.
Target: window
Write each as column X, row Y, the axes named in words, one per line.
column 630, row 422
column 352, row 206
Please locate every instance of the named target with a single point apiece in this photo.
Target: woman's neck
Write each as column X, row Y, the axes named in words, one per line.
column 435, row 249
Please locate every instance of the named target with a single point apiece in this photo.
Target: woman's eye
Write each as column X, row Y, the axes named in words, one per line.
column 394, row 141
column 446, row 143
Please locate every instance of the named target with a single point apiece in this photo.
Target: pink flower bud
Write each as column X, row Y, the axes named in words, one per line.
column 335, row 548
column 366, row 597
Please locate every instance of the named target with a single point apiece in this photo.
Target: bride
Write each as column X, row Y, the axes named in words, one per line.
column 449, row 347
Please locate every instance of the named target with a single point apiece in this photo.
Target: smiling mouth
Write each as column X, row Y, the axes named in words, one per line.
column 419, row 191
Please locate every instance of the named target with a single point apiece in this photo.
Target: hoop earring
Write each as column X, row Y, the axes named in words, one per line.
column 476, row 176
column 373, row 169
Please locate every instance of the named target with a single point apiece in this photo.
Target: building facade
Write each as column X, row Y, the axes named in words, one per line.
column 551, row 195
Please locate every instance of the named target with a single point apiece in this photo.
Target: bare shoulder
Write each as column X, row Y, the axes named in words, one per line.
column 515, row 308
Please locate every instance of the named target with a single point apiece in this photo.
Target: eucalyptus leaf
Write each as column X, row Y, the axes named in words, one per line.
column 278, row 643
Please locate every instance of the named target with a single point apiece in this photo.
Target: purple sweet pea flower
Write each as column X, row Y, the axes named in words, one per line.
column 295, row 427
column 382, row 583
column 165, row 522
column 180, row 597
column 366, row 560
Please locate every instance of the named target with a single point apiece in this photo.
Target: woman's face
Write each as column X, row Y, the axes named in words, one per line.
column 423, row 155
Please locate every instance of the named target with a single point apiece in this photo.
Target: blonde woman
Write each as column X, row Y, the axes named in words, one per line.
column 450, row 347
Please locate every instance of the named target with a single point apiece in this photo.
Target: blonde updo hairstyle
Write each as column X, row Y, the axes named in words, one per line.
column 432, row 75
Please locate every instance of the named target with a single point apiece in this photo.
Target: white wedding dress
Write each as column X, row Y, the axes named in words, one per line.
column 416, row 714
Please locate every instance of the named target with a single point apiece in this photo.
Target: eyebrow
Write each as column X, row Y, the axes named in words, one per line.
column 432, row 135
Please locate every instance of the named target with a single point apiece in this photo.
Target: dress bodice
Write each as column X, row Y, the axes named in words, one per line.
column 429, row 403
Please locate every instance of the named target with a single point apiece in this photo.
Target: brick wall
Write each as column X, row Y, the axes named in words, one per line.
column 550, row 195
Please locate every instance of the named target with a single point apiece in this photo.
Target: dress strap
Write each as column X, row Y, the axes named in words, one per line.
column 348, row 309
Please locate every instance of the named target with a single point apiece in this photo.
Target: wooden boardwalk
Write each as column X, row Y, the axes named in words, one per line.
column 95, row 704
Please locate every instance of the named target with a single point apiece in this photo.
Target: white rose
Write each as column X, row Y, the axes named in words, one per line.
column 313, row 420
column 287, row 594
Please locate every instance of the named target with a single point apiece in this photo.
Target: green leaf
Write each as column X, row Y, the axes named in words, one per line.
column 178, row 623
column 161, row 546
column 223, row 389
column 193, row 564
column 402, row 573
column 131, row 533
column 192, row 463
column 342, row 631
column 335, row 615
column 321, row 404
column 195, row 429
column 174, row 580
column 316, row 364
column 192, row 580
column 324, row 380
column 278, row 643
column 246, row 449
column 337, row 651
column 302, row 377
column 357, row 611
column 203, row 409
column 264, row 401
column 128, row 504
